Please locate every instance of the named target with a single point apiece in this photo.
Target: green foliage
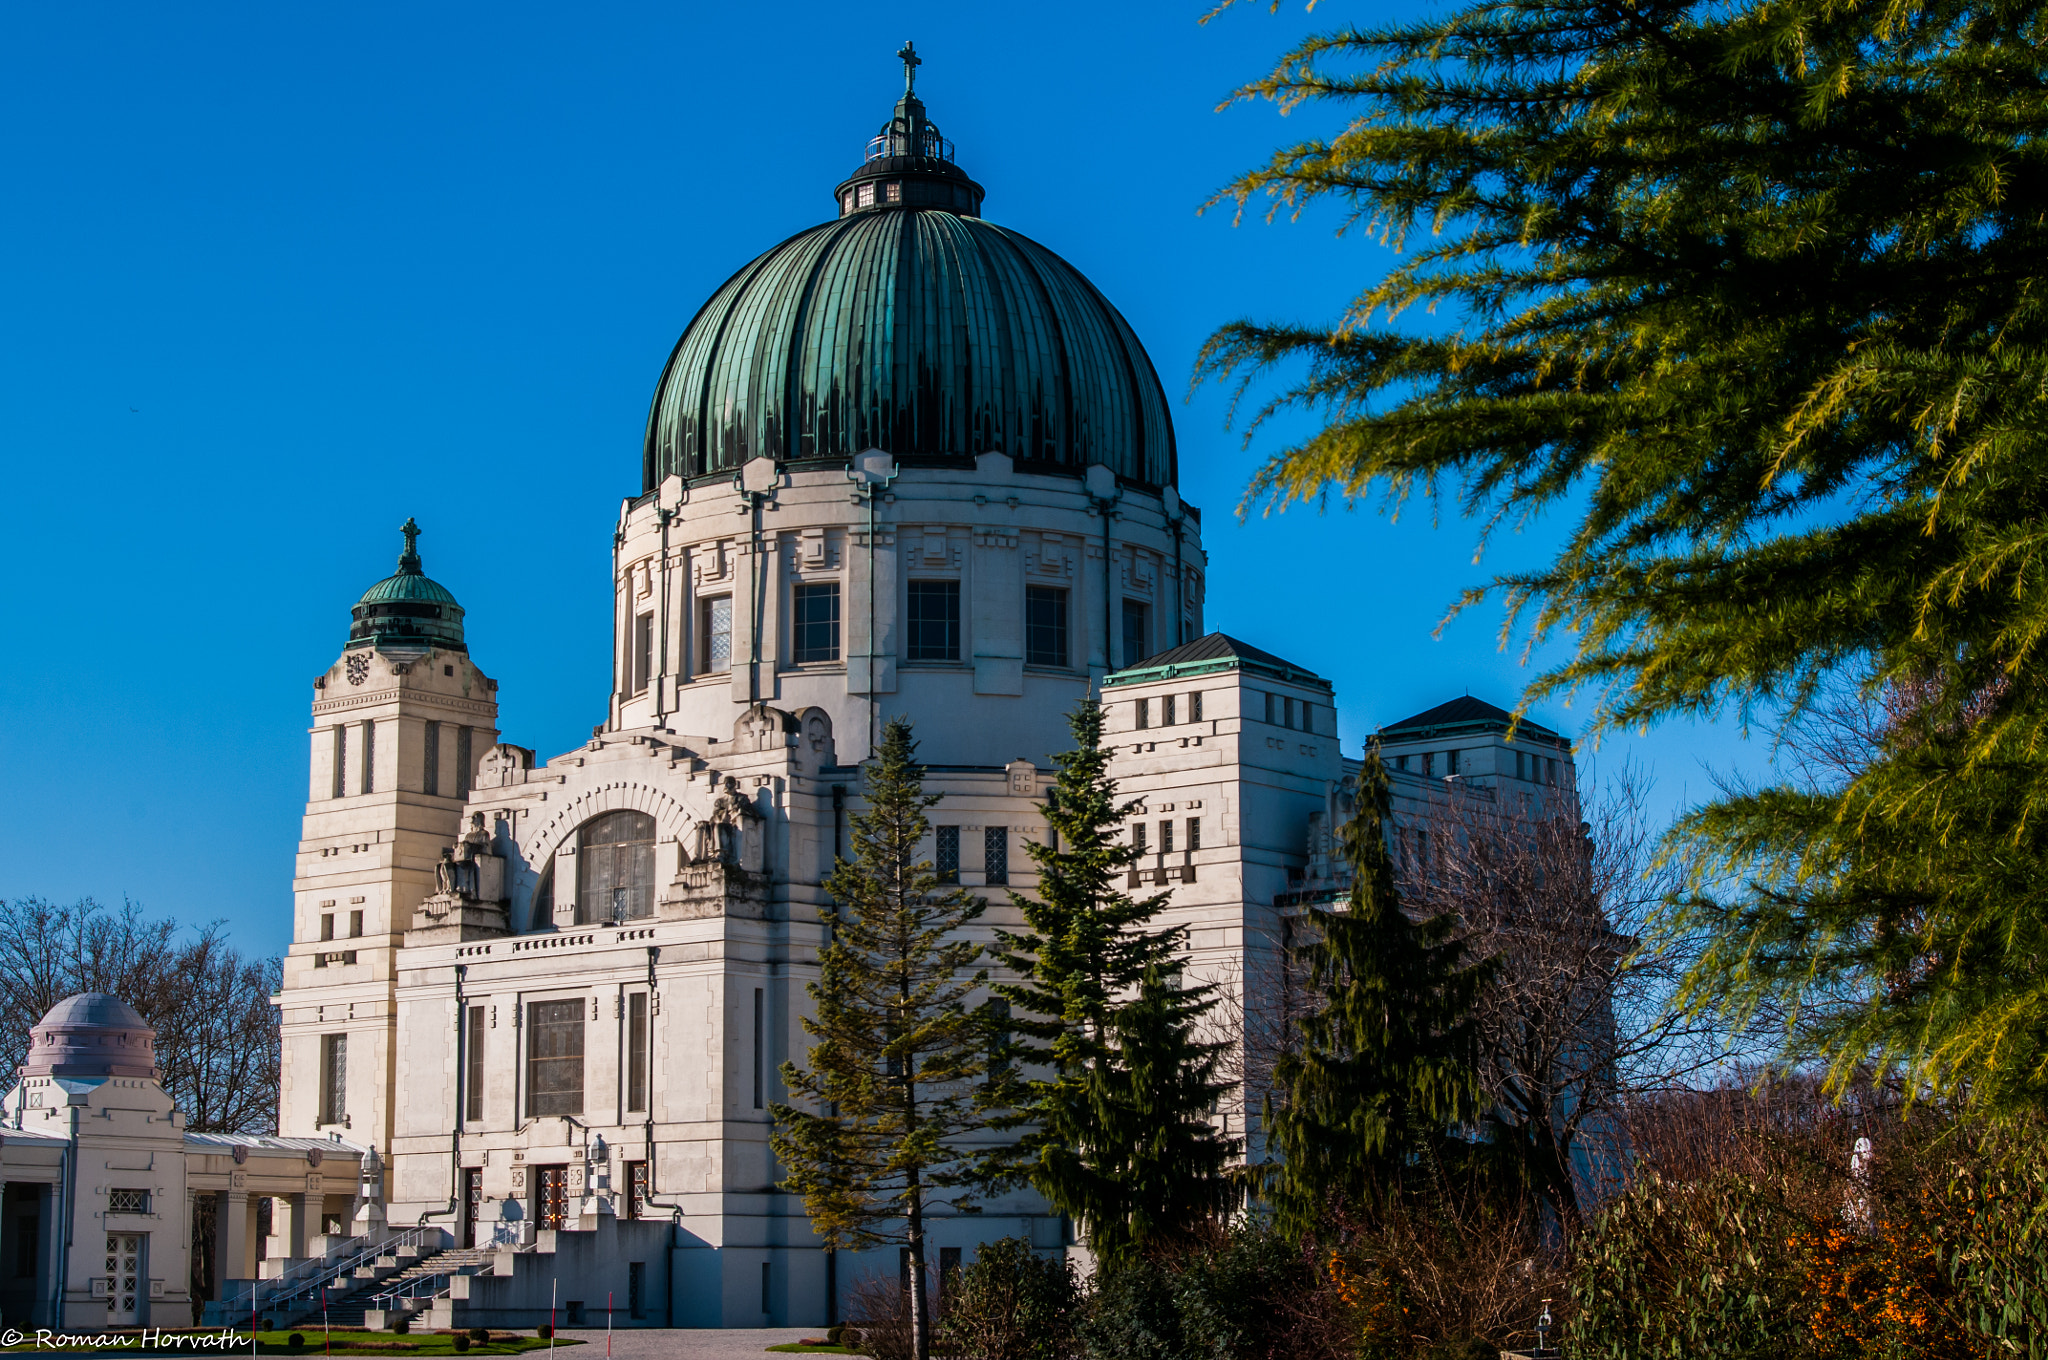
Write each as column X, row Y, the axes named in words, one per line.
column 1118, row 1134
column 1998, row 1257
column 1387, row 1057
column 891, row 1077
column 1010, row 1303
column 1754, row 294
column 1235, row 1298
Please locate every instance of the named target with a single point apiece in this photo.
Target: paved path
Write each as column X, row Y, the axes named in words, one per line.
column 642, row 1343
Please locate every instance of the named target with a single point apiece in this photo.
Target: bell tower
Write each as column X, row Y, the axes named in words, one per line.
column 400, row 722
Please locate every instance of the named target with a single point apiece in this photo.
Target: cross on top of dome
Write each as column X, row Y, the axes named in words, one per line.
column 409, row 560
column 911, row 61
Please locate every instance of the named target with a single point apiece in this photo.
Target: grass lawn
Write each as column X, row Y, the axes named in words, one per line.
column 799, row 1348
column 345, row 1341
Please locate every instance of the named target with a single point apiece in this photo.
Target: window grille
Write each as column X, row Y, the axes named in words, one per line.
column 127, row 1201
column 1144, row 714
column 716, row 645
column 473, row 1065
column 1194, row 833
column 1138, row 836
column 1195, row 706
column 636, row 1051
column 430, row 759
column 369, row 755
column 995, row 853
column 333, row 1078
column 554, row 1057
column 341, row 760
column 1166, row 707
column 947, row 853
column 1166, row 838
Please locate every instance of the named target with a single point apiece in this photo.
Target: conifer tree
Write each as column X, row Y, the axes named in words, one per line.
column 1118, row 1129
column 1387, row 1058
column 897, row 1054
column 1753, row 295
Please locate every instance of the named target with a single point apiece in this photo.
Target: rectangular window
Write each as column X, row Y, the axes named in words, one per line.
column 1521, row 764
column 1400, row 762
column 369, row 755
column 1138, row 836
column 355, row 925
column 1308, row 722
column 1194, row 833
column 995, row 854
column 554, row 1057
column 1195, row 706
column 714, row 634
column 430, row 761
column 473, row 1066
column 1135, row 632
column 1287, row 713
column 127, row 1201
column 1166, row 838
column 1045, row 626
column 1450, row 762
column 636, row 1051
column 934, row 620
column 1166, row 705
column 636, row 1190
column 815, row 626
column 866, row 191
column 760, row 1035
column 643, row 652
column 326, row 925
column 1144, row 714
column 946, row 854
column 1272, row 708
column 1553, row 772
column 1428, row 763
column 463, row 739
column 333, row 1078
column 341, row 760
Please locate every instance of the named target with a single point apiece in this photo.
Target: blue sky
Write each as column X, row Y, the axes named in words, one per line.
column 279, row 276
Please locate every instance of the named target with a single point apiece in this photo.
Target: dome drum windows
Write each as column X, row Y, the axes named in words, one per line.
column 615, row 868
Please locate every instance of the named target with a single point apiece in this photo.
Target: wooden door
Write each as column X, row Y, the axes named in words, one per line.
column 551, row 1196
column 472, row 1203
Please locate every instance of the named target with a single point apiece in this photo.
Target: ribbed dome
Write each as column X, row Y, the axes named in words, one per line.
column 92, row 1034
column 408, row 612
column 913, row 329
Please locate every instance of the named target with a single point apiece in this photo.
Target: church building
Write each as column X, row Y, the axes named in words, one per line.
column 906, row 462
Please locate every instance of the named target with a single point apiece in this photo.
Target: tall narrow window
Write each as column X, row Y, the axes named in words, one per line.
column 636, row 1051
column 643, row 652
column 1166, row 838
column 369, row 755
column 327, row 925
column 473, row 1066
column 1428, row 763
column 1166, row 707
column 1194, row 833
column 615, row 868
column 636, row 1189
column 1521, row 764
column 815, row 624
column 554, row 1057
column 341, row 760
column 1135, row 632
column 1195, row 706
column 714, row 628
column 333, row 1078
column 430, row 761
column 946, row 854
column 1450, row 762
column 1138, row 836
column 1045, row 626
column 1287, row 712
column 1144, row 714
column 995, row 854
column 355, row 925
column 464, row 737
column 934, row 621
column 1308, row 723
column 1272, row 708
column 760, row 1033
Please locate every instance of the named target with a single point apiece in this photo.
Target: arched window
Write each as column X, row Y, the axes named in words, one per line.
column 615, row 868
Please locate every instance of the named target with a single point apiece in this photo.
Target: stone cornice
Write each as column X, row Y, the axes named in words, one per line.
column 373, row 698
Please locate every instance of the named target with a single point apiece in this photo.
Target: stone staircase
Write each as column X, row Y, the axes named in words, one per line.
column 348, row 1310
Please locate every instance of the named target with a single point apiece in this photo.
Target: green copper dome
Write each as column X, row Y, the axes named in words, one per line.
column 408, row 612
column 913, row 326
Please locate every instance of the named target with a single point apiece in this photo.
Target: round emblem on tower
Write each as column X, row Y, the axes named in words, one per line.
column 358, row 668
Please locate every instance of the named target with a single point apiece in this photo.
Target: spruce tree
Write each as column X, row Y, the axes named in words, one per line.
column 1387, row 1058
column 1118, row 1128
column 891, row 1077
column 1752, row 296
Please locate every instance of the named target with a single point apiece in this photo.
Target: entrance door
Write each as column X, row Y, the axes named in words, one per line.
column 124, row 1278
column 551, row 1196
column 472, row 1203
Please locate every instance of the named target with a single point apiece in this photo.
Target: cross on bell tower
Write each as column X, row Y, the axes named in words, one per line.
column 911, row 61
column 409, row 560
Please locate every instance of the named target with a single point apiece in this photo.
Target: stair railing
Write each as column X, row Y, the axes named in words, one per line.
column 305, row 1279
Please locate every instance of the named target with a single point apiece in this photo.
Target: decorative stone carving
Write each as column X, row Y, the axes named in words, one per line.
column 503, row 766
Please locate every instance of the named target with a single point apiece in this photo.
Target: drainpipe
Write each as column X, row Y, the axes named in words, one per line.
column 675, row 1218
column 1180, row 590
column 67, row 1202
column 1108, row 610
column 759, row 607
column 868, row 487
column 661, row 667
column 455, row 1134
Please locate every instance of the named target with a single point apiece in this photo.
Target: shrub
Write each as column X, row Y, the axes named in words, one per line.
column 545, row 1330
column 295, row 1340
column 480, row 1335
column 1239, row 1296
column 461, row 1341
column 878, row 1321
column 1011, row 1304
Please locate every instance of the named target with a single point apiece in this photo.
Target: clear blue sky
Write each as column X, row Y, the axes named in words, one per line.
column 278, row 276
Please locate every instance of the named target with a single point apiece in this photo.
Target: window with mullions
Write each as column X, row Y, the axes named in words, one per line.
column 1045, row 626
column 636, row 1051
column 473, row 1065
column 333, row 1078
column 643, row 652
column 947, row 853
column 615, row 868
column 934, row 621
column 554, row 1057
column 814, row 627
column 1136, row 631
column 995, row 854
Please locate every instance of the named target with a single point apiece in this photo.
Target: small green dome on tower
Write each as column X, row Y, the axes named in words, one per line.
column 408, row 611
